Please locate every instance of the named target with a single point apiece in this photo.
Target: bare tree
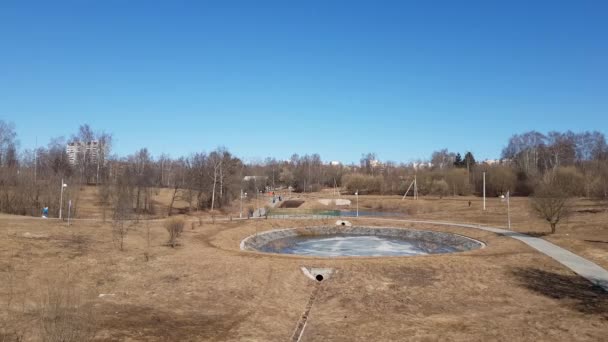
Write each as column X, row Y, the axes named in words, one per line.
column 367, row 162
column 217, row 167
column 123, row 208
column 551, row 203
column 500, row 179
column 104, row 146
column 443, row 159
column 7, row 143
column 175, row 227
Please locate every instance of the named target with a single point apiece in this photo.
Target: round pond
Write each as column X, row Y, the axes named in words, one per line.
column 358, row 241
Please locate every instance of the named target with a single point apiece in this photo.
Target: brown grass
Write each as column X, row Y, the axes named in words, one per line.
column 584, row 231
column 210, row 290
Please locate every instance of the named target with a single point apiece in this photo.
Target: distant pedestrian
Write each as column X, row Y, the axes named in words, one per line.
column 45, row 212
column 469, row 204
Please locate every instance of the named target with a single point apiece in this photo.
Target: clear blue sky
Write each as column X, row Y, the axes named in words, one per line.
column 399, row 78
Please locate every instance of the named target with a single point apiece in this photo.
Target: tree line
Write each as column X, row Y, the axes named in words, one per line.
column 31, row 179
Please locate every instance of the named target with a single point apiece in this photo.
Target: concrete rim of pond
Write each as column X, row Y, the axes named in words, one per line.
column 460, row 243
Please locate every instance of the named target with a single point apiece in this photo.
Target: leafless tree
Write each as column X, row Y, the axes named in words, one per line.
column 551, row 203
column 443, row 159
column 123, row 209
column 8, row 143
column 104, row 147
column 175, row 227
column 500, row 179
column 440, row 187
column 216, row 163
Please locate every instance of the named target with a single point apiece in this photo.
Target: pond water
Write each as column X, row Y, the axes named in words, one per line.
column 353, row 245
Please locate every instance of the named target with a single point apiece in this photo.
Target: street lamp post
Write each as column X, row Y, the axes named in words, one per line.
column 243, row 195
column 63, row 185
column 357, row 195
column 507, row 198
column 484, row 190
column 509, row 209
column 69, row 211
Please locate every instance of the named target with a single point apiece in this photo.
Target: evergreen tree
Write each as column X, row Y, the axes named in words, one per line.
column 458, row 162
column 469, row 160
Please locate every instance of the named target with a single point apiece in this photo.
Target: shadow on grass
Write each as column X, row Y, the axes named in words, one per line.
column 530, row 234
column 537, row 234
column 596, row 241
column 575, row 292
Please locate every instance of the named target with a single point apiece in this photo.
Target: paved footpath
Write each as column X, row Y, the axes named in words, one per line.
column 579, row 265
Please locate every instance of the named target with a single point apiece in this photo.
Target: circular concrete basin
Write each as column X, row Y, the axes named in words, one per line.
column 358, row 241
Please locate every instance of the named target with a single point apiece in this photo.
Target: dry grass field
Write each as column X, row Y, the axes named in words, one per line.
column 208, row 289
column 584, row 231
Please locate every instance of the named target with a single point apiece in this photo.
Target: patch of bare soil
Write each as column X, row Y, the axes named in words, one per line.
column 291, row 204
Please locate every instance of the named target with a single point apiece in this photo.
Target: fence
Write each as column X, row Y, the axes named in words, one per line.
column 324, row 213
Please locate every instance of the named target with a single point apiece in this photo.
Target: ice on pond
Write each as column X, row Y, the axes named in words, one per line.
column 352, row 245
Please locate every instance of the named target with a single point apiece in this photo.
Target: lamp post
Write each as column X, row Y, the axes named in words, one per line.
column 255, row 183
column 509, row 209
column 484, row 190
column 507, row 198
column 69, row 211
column 357, row 195
column 243, row 195
column 63, row 185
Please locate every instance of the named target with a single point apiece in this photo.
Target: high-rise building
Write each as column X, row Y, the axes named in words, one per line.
column 78, row 150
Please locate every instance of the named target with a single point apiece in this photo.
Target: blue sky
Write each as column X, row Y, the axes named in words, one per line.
column 340, row 78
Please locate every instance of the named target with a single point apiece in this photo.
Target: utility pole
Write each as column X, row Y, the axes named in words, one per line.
column 335, row 186
column 309, row 176
column 63, row 185
column 35, row 161
column 412, row 184
column 98, row 156
column 509, row 209
column 357, row 195
column 243, row 195
column 255, row 184
column 484, row 190
column 69, row 211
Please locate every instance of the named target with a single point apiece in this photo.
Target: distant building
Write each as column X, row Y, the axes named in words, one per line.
column 335, row 163
column 422, row 165
column 256, row 178
column 78, row 150
column 497, row 161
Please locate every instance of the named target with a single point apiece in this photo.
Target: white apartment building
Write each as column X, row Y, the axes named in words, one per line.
column 77, row 150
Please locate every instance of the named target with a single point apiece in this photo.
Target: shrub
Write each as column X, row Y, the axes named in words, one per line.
column 64, row 314
column 500, row 179
column 440, row 187
column 175, row 227
column 363, row 183
column 570, row 180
